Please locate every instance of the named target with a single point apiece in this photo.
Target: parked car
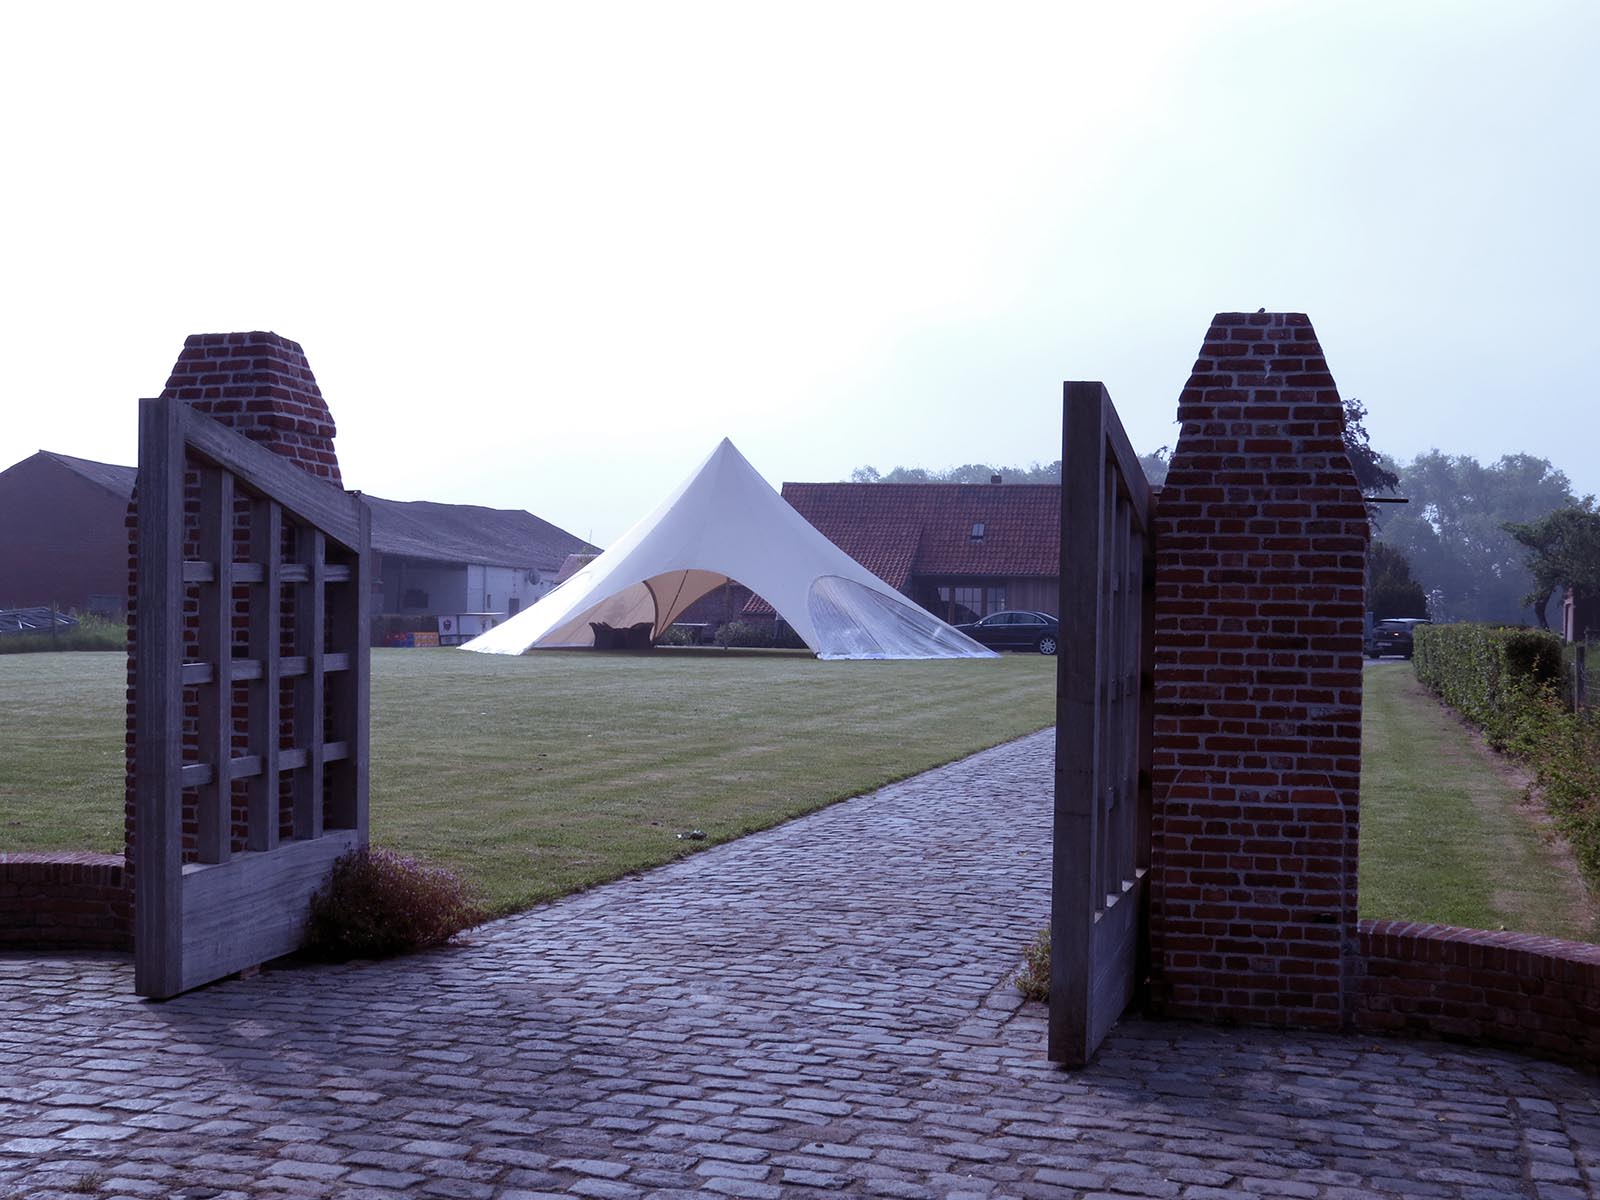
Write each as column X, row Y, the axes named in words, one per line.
column 1393, row 636
column 1015, row 631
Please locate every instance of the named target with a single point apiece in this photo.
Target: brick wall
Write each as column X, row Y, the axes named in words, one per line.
column 1261, row 536
column 1540, row 995
column 64, row 901
column 261, row 385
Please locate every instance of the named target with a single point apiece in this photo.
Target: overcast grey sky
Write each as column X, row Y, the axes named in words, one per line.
column 545, row 256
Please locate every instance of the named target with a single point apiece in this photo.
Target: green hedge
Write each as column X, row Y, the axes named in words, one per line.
column 1479, row 670
column 1514, row 685
column 90, row 633
column 759, row 634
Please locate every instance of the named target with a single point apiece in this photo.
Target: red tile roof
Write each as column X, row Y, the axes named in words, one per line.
column 898, row 530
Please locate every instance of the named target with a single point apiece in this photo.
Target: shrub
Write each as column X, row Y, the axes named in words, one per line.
column 378, row 904
column 1563, row 749
column 1514, row 685
column 759, row 634
column 1033, row 981
column 677, row 635
column 92, row 632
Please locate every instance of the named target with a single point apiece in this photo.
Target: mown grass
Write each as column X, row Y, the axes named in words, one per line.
column 536, row 776
column 61, row 720
column 1446, row 836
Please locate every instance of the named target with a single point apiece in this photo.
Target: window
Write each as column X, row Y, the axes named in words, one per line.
column 961, row 605
column 977, row 531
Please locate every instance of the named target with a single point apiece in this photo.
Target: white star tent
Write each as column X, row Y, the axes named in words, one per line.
column 726, row 522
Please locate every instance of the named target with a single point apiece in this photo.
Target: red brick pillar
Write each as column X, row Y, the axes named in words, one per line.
column 1261, row 539
column 260, row 385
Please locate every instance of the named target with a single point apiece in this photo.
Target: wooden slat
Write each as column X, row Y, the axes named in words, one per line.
column 1130, row 473
column 158, row 705
column 214, row 805
column 349, row 620
column 266, row 626
column 251, row 766
column 273, row 888
column 310, row 618
column 246, row 669
column 304, row 497
column 200, row 571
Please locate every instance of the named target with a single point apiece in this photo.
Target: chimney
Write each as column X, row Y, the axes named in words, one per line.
column 994, row 479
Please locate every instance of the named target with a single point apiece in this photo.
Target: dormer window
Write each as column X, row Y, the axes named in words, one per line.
column 977, row 531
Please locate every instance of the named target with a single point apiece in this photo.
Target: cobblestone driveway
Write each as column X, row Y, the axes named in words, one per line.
column 819, row 1008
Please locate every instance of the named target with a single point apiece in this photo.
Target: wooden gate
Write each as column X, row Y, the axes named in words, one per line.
column 1104, row 722
column 250, row 708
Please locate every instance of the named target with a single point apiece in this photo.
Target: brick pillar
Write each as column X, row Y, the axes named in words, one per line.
column 260, row 385
column 1261, row 540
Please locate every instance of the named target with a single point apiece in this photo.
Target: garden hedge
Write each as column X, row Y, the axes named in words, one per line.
column 1514, row 685
column 1480, row 670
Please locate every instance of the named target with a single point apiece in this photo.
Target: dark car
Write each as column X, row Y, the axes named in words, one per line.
column 1015, row 631
column 1393, row 636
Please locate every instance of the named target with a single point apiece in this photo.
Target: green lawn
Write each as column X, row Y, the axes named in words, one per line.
column 61, row 718
column 538, row 775
column 1445, row 836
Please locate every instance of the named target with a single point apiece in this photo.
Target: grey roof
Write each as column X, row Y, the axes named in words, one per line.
column 470, row 534
column 464, row 533
column 115, row 479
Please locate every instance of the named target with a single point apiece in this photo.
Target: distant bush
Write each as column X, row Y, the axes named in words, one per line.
column 677, row 635
column 378, row 904
column 1514, row 685
column 92, row 632
column 759, row 635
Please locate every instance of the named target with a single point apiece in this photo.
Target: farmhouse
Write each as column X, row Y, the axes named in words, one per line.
column 64, row 541
column 63, row 535
column 451, row 559
column 960, row 550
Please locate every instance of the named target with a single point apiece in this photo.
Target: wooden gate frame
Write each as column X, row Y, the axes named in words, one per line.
column 199, row 921
column 1105, row 720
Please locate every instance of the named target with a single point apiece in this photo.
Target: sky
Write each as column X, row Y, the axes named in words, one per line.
column 547, row 256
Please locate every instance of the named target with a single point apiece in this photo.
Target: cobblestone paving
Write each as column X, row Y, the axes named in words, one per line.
column 817, row 1009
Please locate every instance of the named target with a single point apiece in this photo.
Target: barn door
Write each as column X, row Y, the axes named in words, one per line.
column 1104, row 719
column 250, row 695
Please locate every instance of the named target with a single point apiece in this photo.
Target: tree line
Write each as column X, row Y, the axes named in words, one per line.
column 1497, row 543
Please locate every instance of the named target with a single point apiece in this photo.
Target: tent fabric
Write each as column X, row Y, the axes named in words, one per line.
column 726, row 522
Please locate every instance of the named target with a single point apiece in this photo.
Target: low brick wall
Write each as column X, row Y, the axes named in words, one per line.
column 65, row 901
column 1535, row 994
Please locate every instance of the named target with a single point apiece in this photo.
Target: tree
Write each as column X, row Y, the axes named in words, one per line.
column 1453, row 530
column 1562, row 551
column 1155, row 465
column 1372, row 472
column 1391, row 592
column 966, row 473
